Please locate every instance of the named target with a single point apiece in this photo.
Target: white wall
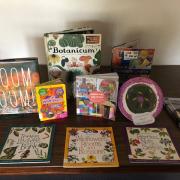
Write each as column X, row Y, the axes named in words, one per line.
column 155, row 22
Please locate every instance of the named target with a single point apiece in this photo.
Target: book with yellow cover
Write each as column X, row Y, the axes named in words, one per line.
column 51, row 100
column 90, row 147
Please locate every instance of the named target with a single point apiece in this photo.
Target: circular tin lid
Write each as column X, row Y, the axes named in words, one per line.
column 140, row 95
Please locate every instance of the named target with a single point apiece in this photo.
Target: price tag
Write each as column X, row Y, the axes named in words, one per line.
column 143, row 118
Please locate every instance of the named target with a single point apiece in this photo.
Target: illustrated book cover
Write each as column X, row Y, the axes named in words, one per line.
column 140, row 100
column 90, row 147
column 172, row 106
column 72, row 52
column 151, row 145
column 96, row 95
column 51, row 100
column 131, row 60
column 18, row 78
column 28, row 144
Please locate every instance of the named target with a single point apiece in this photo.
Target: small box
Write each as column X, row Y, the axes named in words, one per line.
column 51, row 100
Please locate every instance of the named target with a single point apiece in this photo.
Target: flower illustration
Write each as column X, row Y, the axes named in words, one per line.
column 134, row 142
column 53, row 59
column 108, row 157
column 105, row 133
column 91, row 158
column 73, row 132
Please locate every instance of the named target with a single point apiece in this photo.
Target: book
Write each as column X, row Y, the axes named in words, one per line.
column 96, row 95
column 18, row 78
column 172, row 106
column 151, row 145
column 132, row 60
column 51, row 100
column 90, row 147
column 27, row 144
column 72, row 52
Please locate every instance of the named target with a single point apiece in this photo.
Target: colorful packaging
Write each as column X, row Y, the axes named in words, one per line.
column 132, row 61
column 18, row 78
column 96, row 95
column 51, row 100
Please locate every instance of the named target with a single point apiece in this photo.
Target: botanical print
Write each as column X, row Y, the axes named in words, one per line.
column 17, row 85
column 27, row 143
column 92, row 147
column 151, row 144
column 76, row 53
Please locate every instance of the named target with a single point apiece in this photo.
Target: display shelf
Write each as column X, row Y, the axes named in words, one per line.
column 169, row 80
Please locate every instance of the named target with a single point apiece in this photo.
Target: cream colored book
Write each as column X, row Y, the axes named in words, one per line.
column 90, row 147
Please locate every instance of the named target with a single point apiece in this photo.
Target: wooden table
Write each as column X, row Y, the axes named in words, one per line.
column 167, row 77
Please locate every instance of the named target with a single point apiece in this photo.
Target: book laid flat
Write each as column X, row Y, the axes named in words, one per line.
column 151, row 145
column 27, row 145
column 96, row 95
column 90, row 147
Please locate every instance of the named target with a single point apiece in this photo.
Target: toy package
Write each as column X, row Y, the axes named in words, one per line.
column 131, row 60
column 96, row 95
column 51, row 100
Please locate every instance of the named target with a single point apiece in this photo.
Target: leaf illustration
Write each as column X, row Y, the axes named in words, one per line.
column 163, row 153
column 48, row 129
column 41, row 130
column 7, row 157
column 97, row 60
column 34, row 129
column 16, row 133
column 134, row 131
column 18, row 129
column 27, row 129
column 43, row 145
column 155, row 131
column 163, row 134
column 10, row 151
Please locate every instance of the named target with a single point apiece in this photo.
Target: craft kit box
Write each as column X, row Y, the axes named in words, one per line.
column 96, row 95
column 51, row 100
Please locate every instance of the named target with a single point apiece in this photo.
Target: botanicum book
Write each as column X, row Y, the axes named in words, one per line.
column 90, row 147
column 75, row 51
column 18, row 78
column 28, row 144
column 151, row 145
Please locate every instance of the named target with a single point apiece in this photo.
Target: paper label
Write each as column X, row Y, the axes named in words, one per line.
column 143, row 118
column 130, row 55
column 97, row 97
